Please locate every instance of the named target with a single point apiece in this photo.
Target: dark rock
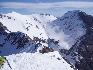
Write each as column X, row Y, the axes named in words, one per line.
column 46, row 50
column 81, row 52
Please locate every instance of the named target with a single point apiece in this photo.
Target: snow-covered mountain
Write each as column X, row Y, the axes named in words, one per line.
column 66, row 29
column 22, row 32
column 31, row 37
column 21, row 36
column 25, row 24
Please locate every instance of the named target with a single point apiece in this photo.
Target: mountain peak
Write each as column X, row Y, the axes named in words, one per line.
column 74, row 11
column 70, row 27
column 71, row 13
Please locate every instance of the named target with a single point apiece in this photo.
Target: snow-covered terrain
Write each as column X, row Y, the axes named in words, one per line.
column 32, row 42
column 44, row 19
column 36, row 61
column 24, row 24
column 31, row 27
column 21, row 35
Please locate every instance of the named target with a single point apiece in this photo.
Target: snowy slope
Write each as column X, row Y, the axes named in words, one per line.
column 36, row 61
column 19, row 26
column 24, row 24
column 43, row 19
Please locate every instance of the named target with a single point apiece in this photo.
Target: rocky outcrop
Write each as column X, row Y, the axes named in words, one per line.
column 14, row 42
column 81, row 53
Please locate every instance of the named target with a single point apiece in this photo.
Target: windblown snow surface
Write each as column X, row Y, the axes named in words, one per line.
column 36, row 61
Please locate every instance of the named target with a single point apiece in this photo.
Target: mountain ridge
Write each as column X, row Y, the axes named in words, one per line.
column 71, row 35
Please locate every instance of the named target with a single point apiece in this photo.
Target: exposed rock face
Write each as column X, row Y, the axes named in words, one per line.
column 81, row 53
column 85, row 48
column 46, row 50
column 66, row 29
column 14, row 42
